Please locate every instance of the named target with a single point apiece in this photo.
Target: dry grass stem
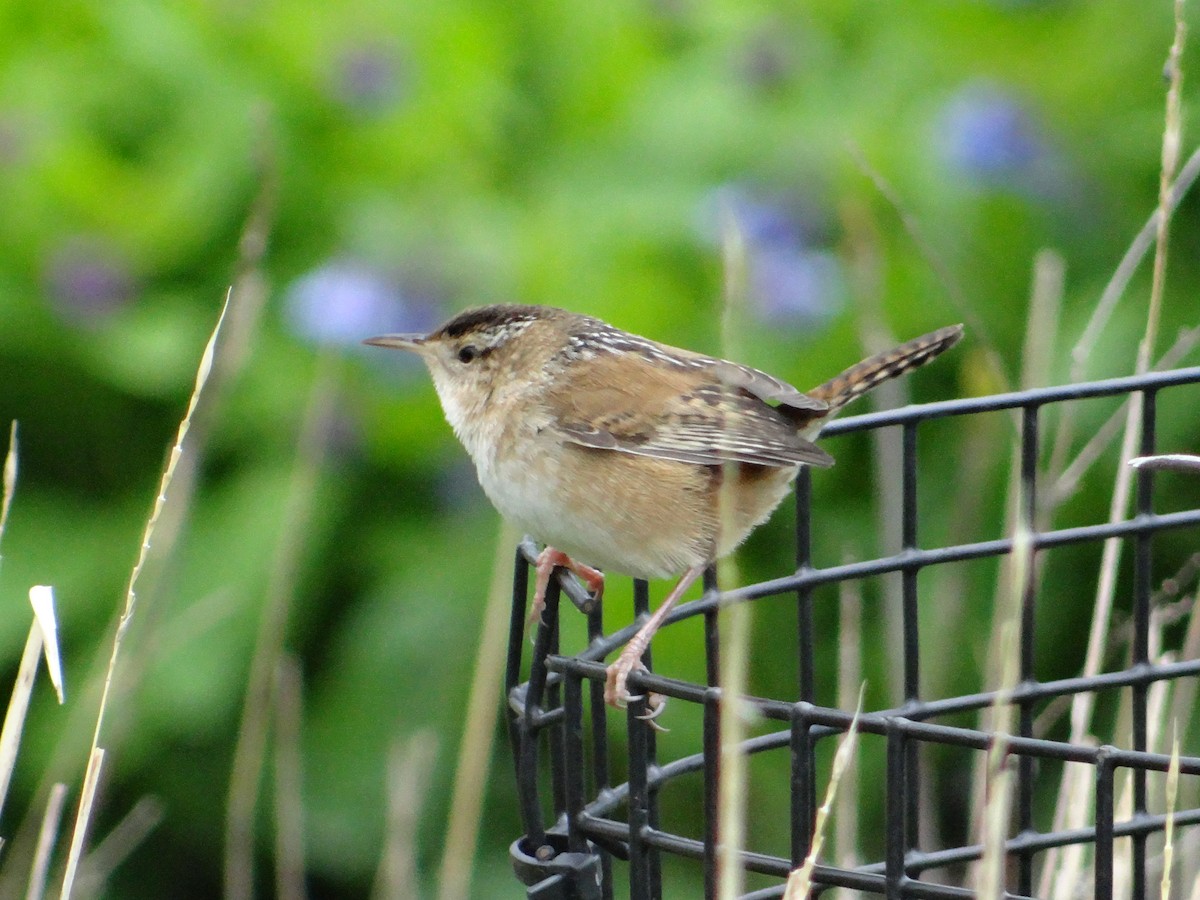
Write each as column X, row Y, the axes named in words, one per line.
column 1066, row 481
column 1045, row 308
column 958, row 297
column 47, row 837
column 97, row 867
column 18, row 706
column 1063, row 874
column 1081, row 708
column 1171, row 144
column 475, row 751
column 1045, row 312
column 1069, row 814
column 250, row 749
column 799, row 882
column 1138, row 247
column 849, row 676
column 41, row 598
column 202, row 374
column 732, row 778
column 9, row 477
column 1172, row 796
column 997, row 800
column 1111, row 294
column 732, row 781
column 289, row 781
column 887, row 452
column 410, row 767
column 1183, row 707
column 42, row 639
column 83, row 817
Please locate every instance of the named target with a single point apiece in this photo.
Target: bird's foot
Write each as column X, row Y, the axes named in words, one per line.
column 544, row 567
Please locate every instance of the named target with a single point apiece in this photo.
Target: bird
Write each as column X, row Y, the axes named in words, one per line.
column 622, row 454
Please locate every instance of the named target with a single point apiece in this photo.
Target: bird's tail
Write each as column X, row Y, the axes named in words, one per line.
column 860, row 378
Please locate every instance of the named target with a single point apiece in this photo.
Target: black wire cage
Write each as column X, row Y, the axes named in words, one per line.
column 587, row 835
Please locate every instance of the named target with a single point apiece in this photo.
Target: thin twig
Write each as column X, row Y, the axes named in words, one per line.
column 475, row 751
column 998, row 793
column 83, row 818
column 250, row 749
column 1068, row 814
column 958, row 297
column 1172, row 794
column 1064, row 484
column 9, row 478
column 1112, row 293
column 1081, row 710
column 409, row 773
column 202, row 373
column 735, row 629
column 849, row 675
column 18, row 706
column 47, row 837
column 126, row 836
column 1115, row 289
column 289, row 780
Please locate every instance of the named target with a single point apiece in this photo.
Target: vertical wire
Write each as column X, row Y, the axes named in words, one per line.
column 572, row 741
column 512, row 670
column 639, row 815
column 712, row 735
column 645, row 873
column 803, row 751
column 803, row 747
column 601, row 779
column 530, row 725
column 804, row 612
column 558, row 772
column 895, row 832
column 1103, row 857
column 912, row 664
column 1142, row 591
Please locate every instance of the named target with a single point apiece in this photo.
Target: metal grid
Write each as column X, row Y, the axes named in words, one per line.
column 575, row 832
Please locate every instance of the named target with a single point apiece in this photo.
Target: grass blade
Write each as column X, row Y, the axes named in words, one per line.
column 91, row 780
column 18, row 705
column 475, row 751
column 47, row 836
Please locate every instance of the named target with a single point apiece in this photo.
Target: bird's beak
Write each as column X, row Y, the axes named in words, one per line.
column 412, row 342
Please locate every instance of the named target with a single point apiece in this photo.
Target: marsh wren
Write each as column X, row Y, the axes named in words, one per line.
column 623, row 454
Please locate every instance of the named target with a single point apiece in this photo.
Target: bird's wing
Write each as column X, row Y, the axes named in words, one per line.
column 633, row 404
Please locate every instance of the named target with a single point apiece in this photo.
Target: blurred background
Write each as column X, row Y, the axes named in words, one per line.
column 365, row 167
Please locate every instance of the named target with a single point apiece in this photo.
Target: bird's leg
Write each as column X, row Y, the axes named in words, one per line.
column 615, row 693
column 546, row 562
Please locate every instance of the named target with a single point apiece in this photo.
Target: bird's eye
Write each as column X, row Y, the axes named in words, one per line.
column 467, row 354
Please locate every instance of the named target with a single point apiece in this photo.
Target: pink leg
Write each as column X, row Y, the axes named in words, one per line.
column 615, row 692
column 547, row 560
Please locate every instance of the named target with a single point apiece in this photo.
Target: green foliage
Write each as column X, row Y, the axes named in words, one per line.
column 428, row 156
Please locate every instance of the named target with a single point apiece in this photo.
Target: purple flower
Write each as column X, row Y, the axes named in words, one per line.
column 367, row 79
column 988, row 135
column 87, row 280
column 344, row 301
column 791, row 277
column 793, row 286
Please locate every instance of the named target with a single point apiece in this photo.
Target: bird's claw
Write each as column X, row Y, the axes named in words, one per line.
column 616, row 695
column 655, row 704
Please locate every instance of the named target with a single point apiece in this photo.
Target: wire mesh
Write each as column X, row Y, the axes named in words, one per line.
column 588, row 835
